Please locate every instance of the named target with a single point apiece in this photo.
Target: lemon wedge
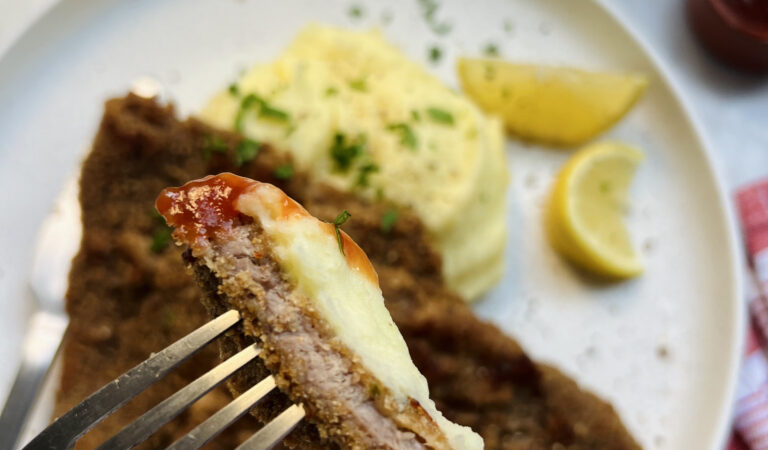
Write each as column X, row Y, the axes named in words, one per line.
column 585, row 219
column 551, row 105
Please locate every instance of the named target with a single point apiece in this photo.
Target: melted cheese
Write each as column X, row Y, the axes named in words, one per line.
column 345, row 294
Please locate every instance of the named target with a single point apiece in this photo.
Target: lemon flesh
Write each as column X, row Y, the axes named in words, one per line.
column 551, row 105
column 585, row 219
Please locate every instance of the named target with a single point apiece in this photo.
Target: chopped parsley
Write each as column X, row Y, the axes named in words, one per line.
column 284, row 172
column 264, row 109
column 388, row 220
column 440, row 116
column 359, row 85
column 331, row 91
column 429, row 9
column 365, row 171
column 386, row 17
column 508, row 26
column 168, row 319
column 271, row 112
column 160, row 239
column 157, row 216
column 407, row 136
column 234, row 89
column 415, row 115
column 435, row 54
column 491, row 50
column 163, row 233
column 373, row 390
column 355, row 12
column 344, row 151
column 246, row 150
column 338, row 222
column 213, row 144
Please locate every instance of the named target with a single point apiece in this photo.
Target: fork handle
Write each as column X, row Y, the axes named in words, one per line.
column 40, row 347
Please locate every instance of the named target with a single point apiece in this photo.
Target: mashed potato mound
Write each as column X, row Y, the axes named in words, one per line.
column 357, row 114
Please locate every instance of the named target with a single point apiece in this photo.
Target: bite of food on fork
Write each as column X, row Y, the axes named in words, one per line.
column 310, row 298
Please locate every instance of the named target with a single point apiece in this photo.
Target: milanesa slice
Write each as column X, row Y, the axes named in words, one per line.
column 310, row 295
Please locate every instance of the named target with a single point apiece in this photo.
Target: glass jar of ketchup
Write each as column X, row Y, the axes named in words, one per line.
column 735, row 31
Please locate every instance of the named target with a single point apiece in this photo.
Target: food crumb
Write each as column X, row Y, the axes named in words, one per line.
column 648, row 245
column 531, row 181
column 386, row 17
column 509, row 26
column 662, row 352
column 355, row 12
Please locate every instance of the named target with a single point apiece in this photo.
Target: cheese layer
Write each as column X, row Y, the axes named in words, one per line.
column 344, row 290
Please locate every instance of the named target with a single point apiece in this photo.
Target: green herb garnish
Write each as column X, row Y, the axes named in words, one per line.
column 234, row 89
column 388, row 220
column 271, row 112
column 338, row 222
column 355, row 12
column 440, row 116
column 508, row 26
column 435, row 54
column 407, row 136
column 284, row 172
column 491, row 50
column 359, row 85
column 160, row 239
column 168, row 319
column 157, row 216
column 415, row 115
column 331, row 91
column 246, row 104
column 429, row 9
column 246, row 150
column 344, row 152
column 365, row 171
column 264, row 109
column 213, row 144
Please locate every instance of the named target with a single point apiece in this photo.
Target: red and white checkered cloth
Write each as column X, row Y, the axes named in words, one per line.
column 751, row 413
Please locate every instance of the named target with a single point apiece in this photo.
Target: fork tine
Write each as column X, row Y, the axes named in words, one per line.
column 68, row 428
column 274, row 431
column 224, row 417
column 141, row 428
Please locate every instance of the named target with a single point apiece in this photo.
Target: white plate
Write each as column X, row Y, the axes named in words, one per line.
column 663, row 348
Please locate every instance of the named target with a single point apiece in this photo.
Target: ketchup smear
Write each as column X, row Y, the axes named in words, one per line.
column 203, row 207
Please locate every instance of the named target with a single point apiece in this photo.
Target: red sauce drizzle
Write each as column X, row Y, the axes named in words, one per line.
column 203, row 207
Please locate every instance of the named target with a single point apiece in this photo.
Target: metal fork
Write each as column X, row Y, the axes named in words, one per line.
column 67, row 429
